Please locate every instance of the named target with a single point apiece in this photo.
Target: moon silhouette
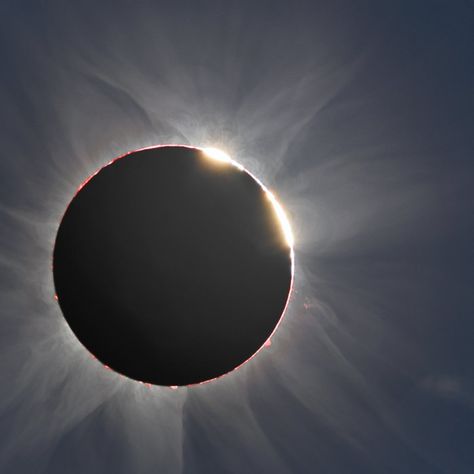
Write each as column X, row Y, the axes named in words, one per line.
column 173, row 265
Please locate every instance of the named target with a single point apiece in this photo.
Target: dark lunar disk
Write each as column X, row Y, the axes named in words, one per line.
column 170, row 267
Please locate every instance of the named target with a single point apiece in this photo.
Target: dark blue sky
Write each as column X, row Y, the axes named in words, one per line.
column 359, row 116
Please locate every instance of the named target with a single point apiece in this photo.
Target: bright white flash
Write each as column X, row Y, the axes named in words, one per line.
column 223, row 157
column 285, row 224
column 217, row 154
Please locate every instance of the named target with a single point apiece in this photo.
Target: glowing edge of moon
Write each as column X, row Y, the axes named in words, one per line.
column 219, row 155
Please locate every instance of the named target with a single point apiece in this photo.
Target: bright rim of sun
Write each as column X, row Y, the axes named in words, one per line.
column 223, row 157
column 285, row 224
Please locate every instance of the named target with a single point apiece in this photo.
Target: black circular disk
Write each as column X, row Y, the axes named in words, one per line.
column 170, row 267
